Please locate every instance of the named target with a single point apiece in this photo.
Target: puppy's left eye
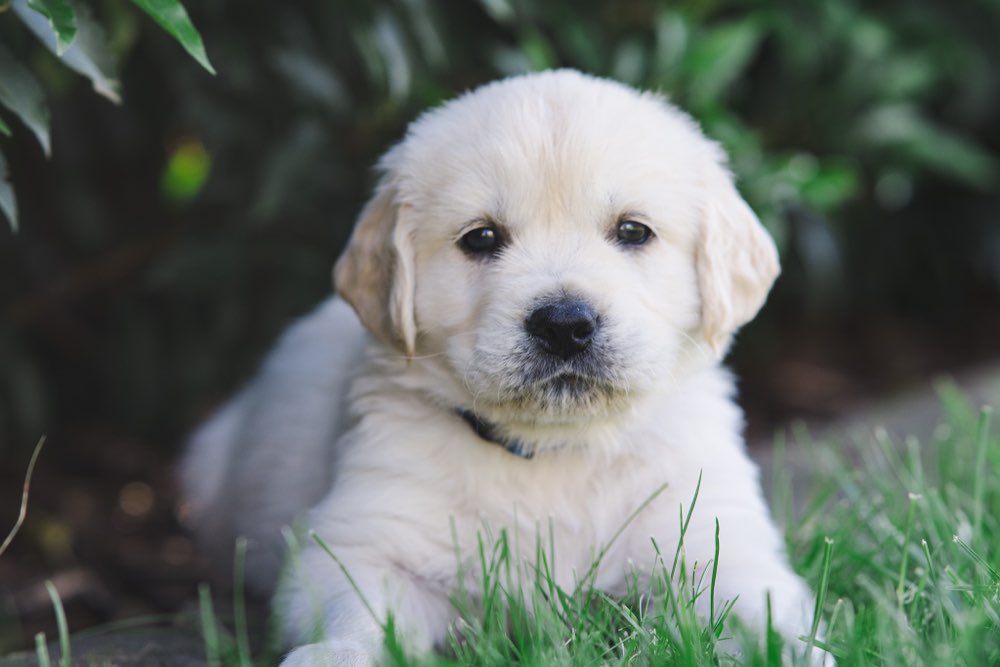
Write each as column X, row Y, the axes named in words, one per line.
column 630, row 232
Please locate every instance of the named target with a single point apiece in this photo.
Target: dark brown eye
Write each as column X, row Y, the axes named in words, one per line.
column 631, row 232
column 481, row 241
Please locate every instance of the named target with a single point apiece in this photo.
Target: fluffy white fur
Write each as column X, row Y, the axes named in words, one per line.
column 356, row 422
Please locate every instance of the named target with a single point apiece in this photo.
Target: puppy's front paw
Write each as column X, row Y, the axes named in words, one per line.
column 333, row 653
column 820, row 658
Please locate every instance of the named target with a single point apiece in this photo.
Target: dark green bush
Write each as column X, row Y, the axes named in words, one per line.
column 165, row 241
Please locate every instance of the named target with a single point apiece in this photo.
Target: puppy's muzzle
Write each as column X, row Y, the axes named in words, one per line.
column 564, row 327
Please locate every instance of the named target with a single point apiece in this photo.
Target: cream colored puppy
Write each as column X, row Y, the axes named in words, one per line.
column 534, row 305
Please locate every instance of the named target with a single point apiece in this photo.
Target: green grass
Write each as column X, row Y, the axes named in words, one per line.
column 914, row 527
column 901, row 541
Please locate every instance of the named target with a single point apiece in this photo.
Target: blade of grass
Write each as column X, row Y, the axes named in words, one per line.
column 25, row 493
column 209, row 630
column 773, row 639
column 781, row 481
column 978, row 484
column 239, row 604
column 685, row 521
column 357, row 589
column 60, row 624
column 977, row 557
column 824, row 586
column 42, row 651
column 592, row 572
column 901, row 580
column 715, row 574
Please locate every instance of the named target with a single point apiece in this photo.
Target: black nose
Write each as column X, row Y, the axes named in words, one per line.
column 564, row 327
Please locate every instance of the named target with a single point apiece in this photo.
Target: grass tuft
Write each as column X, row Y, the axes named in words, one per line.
column 902, row 550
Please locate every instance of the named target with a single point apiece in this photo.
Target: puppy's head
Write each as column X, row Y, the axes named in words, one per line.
column 560, row 245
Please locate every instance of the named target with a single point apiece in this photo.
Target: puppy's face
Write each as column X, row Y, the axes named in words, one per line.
column 555, row 275
column 559, row 244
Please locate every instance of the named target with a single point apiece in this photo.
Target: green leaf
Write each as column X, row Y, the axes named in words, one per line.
column 390, row 44
column 830, row 187
column 500, row 11
column 720, row 56
column 672, row 34
column 89, row 54
column 928, row 145
column 8, row 204
column 4, row 130
column 62, row 20
column 20, row 92
column 173, row 18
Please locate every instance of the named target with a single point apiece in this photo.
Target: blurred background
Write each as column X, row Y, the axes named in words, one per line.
column 165, row 241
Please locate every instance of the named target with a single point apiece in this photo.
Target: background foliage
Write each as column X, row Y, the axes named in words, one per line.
column 164, row 242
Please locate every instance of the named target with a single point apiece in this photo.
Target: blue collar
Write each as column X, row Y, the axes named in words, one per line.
column 490, row 433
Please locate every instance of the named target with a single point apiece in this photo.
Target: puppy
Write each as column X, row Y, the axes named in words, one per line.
column 532, row 310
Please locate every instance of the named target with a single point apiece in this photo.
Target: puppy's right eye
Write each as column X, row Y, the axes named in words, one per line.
column 481, row 241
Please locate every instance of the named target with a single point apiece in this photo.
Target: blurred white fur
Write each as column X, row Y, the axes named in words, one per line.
column 356, row 423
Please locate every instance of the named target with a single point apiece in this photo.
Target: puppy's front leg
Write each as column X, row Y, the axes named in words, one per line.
column 334, row 652
column 336, row 612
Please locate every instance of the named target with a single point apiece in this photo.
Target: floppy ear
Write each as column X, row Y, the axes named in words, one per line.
column 375, row 273
column 736, row 260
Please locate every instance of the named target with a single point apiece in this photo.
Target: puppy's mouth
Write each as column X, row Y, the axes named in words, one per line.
column 546, row 413
column 527, row 385
column 579, row 385
column 583, row 373
column 568, row 383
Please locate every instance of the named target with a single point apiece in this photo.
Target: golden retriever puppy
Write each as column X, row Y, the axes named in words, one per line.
column 532, row 310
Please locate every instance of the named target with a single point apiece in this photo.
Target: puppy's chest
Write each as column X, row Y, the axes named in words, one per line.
column 570, row 511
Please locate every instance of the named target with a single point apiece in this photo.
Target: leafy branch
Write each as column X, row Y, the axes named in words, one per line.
column 68, row 29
